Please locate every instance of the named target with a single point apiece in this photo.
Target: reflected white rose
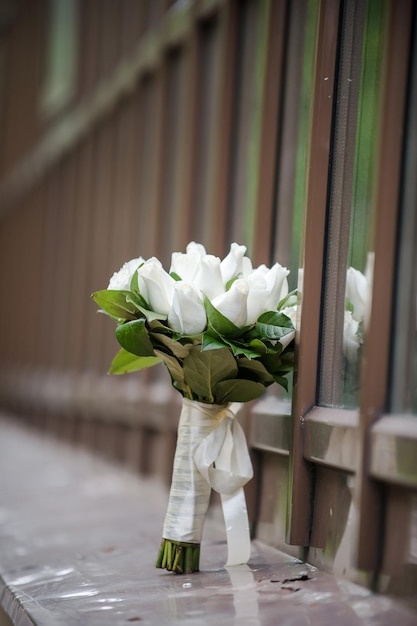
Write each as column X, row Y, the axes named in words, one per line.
column 351, row 339
column 232, row 304
column 156, row 286
column 235, row 263
column 357, row 292
column 187, row 315
column 121, row 279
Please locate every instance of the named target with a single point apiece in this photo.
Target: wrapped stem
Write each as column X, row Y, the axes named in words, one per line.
column 190, row 492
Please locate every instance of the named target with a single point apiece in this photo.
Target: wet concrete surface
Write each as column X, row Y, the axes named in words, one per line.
column 78, row 541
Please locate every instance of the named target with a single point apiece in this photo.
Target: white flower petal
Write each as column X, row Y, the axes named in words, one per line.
column 121, row 279
column 232, row 303
column 157, row 284
column 187, row 315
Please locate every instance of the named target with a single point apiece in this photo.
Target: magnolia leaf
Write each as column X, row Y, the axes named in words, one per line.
column 125, row 362
column 152, row 315
column 237, row 390
column 176, row 372
column 137, row 300
column 157, row 327
column 177, row 349
column 210, row 341
column 281, row 381
column 254, row 369
column 115, row 303
column 133, row 337
column 289, row 300
column 134, row 285
column 273, row 325
column 203, row 370
column 275, row 318
column 240, row 349
column 219, row 322
column 230, row 282
column 273, row 363
column 258, row 346
column 348, row 305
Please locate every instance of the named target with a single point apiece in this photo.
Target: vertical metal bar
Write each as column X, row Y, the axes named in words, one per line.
column 271, row 112
column 340, row 202
column 299, row 506
column 223, row 148
column 289, row 131
column 80, row 289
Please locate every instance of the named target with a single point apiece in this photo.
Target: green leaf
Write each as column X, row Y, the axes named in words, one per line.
column 175, row 276
column 289, row 300
column 152, row 315
column 273, row 363
column 203, row 370
column 273, row 325
column 241, row 349
column 219, row 322
column 125, row 362
column 348, row 305
column 281, row 381
column 258, row 346
column 254, row 369
column 237, row 390
column 134, row 286
column 137, row 300
column 176, row 372
column 230, row 282
column 176, row 348
column 157, row 327
column 133, row 337
column 211, row 341
column 115, row 303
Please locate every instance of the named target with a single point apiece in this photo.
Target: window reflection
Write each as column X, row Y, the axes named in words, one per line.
column 349, row 263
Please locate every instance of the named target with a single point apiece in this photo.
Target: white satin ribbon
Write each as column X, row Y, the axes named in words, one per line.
column 222, row 458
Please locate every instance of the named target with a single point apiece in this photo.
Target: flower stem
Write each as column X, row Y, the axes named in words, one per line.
column 178, row 556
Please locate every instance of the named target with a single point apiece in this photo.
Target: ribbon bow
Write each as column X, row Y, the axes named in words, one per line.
column 222, row 458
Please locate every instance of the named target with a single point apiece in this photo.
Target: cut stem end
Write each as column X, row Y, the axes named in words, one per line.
column 178, row 556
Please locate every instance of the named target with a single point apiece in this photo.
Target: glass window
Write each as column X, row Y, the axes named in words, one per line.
column 353, row 170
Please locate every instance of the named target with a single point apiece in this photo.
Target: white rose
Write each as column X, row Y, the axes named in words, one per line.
column 357, row 292
column 156, row 286
column 267, row 286
column 256, row 298
column 121, row 279
column 351, row 340
column 199, row 269
column 208, row 279
column 187, row 315
column 235, row 263
column 232, row 304
column 186, row 265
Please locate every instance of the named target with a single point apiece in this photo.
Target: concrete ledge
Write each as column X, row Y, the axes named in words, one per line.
column 78, row 539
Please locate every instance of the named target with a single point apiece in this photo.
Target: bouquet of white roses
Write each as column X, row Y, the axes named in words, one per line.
column 224, row 331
